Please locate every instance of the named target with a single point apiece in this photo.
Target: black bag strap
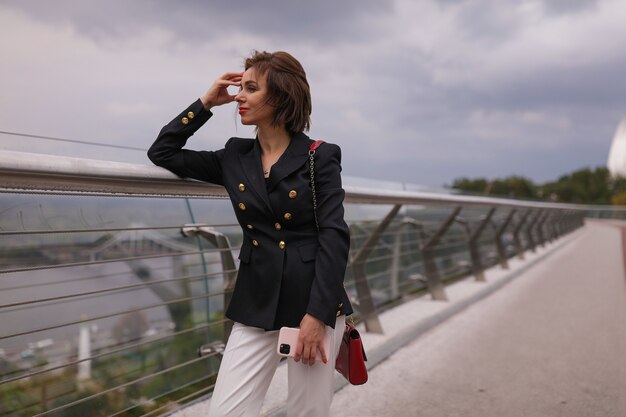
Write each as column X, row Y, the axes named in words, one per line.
column 312, row 149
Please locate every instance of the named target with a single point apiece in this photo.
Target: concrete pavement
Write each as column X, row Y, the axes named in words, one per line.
column 550, row 343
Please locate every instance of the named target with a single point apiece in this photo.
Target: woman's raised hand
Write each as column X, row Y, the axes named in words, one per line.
column 217, row 94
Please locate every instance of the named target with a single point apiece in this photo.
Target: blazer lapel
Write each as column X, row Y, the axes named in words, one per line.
column 296, row 155
column 252, row 167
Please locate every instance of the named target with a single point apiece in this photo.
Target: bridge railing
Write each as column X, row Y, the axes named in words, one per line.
column 113, row 276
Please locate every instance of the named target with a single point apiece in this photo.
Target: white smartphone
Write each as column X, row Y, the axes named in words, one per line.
column 288, row 339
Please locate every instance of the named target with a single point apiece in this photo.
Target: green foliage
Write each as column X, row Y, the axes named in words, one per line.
column 15, row 400
column 584, row 186
column 48, row 391
column 515, row 187
column 94, row 407
column 619, row 199
column 182, row 348
column 471, row 186
column 618, row 190
column 512, row 187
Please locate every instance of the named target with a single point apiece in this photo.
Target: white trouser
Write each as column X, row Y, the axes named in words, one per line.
column 247, row 368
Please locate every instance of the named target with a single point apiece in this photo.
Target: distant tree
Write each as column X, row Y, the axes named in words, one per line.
column 513, row 187
column 619, row 199
column 585, row 186
column 471, row 186
column 617, row 185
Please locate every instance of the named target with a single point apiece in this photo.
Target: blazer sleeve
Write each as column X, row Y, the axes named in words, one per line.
column 167, row 152
column 334, row 236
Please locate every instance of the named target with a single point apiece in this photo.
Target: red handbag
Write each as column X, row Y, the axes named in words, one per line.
column 351, row 358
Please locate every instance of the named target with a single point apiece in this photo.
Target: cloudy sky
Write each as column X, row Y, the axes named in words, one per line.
column 414, row 91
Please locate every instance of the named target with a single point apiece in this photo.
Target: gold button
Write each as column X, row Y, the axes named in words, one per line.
column 293, row 194
column 185, row 121
column 254, row 242
column 340, row 305
column 191, row 115
column 249, row 226
column 242, row 187
column 281, row 244
column 338, row 313
column 277, row 226
column 287, row 216
column 242, row 206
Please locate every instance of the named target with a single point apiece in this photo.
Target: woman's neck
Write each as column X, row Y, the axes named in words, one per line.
column 273, row 139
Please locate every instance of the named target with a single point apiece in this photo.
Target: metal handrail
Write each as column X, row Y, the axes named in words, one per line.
column 104, row 229
column 25, row 172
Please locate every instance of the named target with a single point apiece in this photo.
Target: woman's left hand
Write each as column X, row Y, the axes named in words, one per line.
column 310, row 340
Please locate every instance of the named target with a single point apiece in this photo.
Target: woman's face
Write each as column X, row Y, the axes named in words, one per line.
column 251, row 99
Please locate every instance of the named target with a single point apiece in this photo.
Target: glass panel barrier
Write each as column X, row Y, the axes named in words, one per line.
column 104, row 303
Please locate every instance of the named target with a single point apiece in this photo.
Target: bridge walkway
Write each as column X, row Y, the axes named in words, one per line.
column 552, row 342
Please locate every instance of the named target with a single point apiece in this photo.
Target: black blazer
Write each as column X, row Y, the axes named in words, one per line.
column 288, row 267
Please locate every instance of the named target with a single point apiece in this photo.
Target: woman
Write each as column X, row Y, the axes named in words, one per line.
column 291, row 271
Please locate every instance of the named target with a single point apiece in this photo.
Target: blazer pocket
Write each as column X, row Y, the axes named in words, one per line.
column 308, row 252
column 245, row 252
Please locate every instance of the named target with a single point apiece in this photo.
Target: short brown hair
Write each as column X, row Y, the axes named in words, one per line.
column 287, row 88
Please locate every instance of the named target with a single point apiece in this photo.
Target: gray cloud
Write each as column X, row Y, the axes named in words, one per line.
column 488, row 21
column 413, row 91
column 565, row 7
column 197, row 20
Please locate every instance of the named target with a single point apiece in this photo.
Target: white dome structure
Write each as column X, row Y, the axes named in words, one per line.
column 617, row 155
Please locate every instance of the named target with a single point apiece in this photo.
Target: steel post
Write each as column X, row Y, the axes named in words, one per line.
column 477, row 265
column 504, row 263
column 548, row 229
column 529, row 232
column 364, row 294
column 570, row 222
column 394, row 279
column 564, row 223
column 552, row 225
column 433, row 280
column 516, row 238
column 397, row 250
column 548, row 233
column 556, row 224
column 541, row 238
column 220, row 241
